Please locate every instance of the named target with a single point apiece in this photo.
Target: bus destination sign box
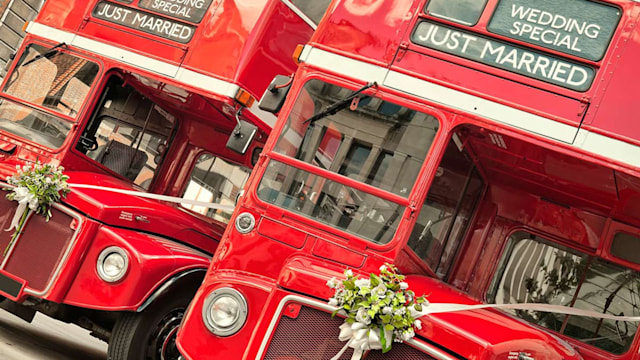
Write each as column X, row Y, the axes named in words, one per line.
column 187, row 10
column 144, row 21
column 500, row 54
column 576, row 27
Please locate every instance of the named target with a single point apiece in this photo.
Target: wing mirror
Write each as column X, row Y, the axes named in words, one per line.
column 274, row 96
column 242, row 135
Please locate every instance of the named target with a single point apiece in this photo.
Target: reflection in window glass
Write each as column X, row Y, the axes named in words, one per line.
column 465, row 12
column 314, row 10
column 369, row 140
column 51, row 78
column 534, row 270
column 329, row 202
column 215, row 181
column 32, row 124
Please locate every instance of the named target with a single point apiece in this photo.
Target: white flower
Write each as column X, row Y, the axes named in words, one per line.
column 380, row 290
column 363, row 317
column 401, row 311
column 333, row 302
column 408, row 334
column 387, row 310
column 361, row 283
column 404, row 285
column 383, row 268
column 348, row 272
column 333, row 283
column 417, row 324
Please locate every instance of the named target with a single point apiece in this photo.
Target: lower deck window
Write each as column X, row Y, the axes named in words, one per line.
column 535, row 270
column 128, row 133
column 216, row 181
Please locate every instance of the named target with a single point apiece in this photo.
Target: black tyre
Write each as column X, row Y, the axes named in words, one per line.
column 151, row 334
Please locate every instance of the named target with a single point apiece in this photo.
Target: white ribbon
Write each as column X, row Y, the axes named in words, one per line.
column 173, row 199
column 24, row 199
column 436, row 308
column 361, row 338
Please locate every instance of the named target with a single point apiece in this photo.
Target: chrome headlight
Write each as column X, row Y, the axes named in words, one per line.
column 245, row 222
column 113, row 264
column 224, row 311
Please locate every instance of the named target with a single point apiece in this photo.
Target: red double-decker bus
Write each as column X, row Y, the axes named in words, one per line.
column 153, row 103
column 485, row 147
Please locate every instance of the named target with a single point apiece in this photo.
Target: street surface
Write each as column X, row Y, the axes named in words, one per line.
column 46, row 339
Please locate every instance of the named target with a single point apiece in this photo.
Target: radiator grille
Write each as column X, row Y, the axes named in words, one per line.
column 40, row 248
column 313, row 335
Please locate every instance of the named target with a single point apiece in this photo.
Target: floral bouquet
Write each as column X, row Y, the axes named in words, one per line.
column 379, row 310
column 35, row 188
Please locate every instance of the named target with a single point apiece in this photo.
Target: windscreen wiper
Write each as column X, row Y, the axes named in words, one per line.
column 339, row 105
column 50, row 53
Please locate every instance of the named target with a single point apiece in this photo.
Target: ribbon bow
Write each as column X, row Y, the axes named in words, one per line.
column 361, row 338
column 24, row 198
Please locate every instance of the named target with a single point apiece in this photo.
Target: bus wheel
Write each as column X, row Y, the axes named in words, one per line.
column 149, row 335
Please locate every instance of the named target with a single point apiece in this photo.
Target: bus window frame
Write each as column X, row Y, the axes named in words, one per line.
column 96, row 83
column 592, row 255
column 91, row 115
column 192, row 164
column 605, row 246
column 419, row 190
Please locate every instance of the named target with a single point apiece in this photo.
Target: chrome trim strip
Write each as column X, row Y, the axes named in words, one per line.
column 343, row 65
column 65, row 256
column 481, row 107
column 429, row 349
column 597, row 144
column 439, row 94
column 612, row 148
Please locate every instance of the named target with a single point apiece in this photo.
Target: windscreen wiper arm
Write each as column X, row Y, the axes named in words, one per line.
column 339, row 105
column 48, row 54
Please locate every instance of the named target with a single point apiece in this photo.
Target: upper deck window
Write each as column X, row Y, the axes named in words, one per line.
column 369, row 140
column 466, row 12
column 313, row 10
column 576, row 27
column 51, row 78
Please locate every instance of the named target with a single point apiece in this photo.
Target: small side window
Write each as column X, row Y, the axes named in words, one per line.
column 534, row 270
column 466, row 12
column 215, row 181
column 625, row 246
column 314, row 10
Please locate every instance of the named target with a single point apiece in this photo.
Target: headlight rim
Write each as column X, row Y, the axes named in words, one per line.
column 242, row 313
column 252, row 222
column 100, row 262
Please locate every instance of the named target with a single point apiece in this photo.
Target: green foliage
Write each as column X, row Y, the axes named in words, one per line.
column 36, row 188
column 382, row 302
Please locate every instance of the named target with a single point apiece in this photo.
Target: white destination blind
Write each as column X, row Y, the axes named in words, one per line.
column 144, row 21
column 503, row 55
column 577, row 27
column 189, row 10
